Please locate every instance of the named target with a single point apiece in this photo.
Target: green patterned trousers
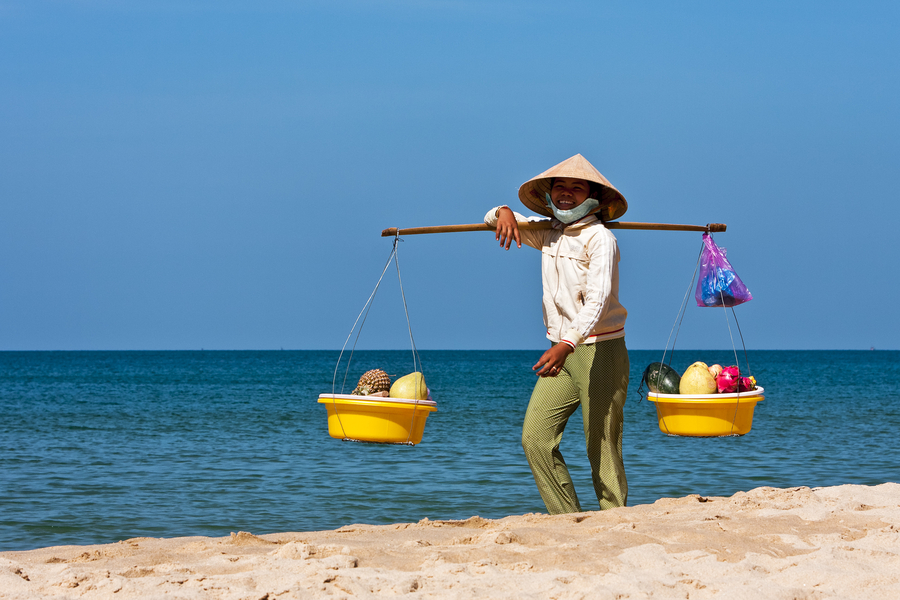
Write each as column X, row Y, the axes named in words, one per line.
column 595, row 377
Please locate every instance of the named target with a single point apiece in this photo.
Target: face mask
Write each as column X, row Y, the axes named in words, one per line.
column 573, row 214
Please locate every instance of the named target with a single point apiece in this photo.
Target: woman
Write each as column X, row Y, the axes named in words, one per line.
column 587, row 363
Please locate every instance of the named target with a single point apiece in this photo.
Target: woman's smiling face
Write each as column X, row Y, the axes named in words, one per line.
column 568, row 192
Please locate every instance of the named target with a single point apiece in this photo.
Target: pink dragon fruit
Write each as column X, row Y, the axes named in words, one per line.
column 747, row 384
column 728, row 380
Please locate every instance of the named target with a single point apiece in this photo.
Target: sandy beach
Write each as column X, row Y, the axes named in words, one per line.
column 798, row 543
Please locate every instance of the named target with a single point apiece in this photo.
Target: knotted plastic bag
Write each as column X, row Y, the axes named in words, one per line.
column 718, row 285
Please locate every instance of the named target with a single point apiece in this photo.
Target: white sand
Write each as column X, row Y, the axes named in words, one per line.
column 838, row 542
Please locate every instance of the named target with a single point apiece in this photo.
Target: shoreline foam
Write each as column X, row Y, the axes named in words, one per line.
column 834, row 542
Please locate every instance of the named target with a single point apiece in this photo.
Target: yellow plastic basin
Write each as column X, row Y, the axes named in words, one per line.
column 706, row 415
column 376, row 419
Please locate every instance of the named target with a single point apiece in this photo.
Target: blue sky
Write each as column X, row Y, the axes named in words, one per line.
column 180, row 175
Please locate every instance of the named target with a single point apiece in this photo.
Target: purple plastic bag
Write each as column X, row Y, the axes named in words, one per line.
column 718, row 285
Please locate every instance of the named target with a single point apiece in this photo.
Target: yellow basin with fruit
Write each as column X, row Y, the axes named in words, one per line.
column 376, row 419
column 706, row 415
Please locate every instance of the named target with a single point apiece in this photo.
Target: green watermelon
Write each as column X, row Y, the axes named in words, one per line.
column 662, row 378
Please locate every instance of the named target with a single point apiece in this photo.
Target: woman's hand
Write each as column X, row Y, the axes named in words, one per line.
column 507, row 228
column 552, row 361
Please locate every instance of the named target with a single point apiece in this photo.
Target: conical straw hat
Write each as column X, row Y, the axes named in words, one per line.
column 612, row 203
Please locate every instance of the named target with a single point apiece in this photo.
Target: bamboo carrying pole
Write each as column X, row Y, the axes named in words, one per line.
column 709, row 228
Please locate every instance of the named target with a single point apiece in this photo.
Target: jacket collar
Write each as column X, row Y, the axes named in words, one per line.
column 582, row 222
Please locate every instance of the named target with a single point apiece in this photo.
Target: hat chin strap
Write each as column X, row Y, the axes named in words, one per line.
column 573, row 214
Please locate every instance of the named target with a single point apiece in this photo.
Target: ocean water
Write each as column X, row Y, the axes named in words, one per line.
column 97, row 447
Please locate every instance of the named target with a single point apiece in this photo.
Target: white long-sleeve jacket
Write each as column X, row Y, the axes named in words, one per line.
column 580, row 273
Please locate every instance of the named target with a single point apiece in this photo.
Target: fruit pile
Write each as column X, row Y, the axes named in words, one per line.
column 378, row 383
column 699, row 378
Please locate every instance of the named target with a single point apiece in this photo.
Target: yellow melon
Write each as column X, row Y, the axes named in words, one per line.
column 697, row 380
column 410, row 387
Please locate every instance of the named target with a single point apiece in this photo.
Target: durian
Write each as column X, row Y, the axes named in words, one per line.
column 372, row 382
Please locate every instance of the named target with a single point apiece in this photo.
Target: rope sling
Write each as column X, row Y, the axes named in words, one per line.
column 676, row 329
column 363, row 315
